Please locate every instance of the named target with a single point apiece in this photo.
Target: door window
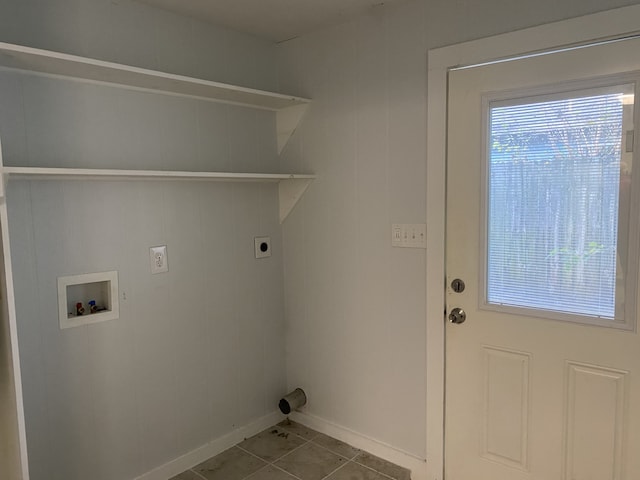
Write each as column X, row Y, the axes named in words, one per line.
column 557, row 217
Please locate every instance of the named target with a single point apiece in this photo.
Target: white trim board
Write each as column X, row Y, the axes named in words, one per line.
column 387, row 452
column 618, row 23
column 210, row 449
column 13, row 339
column 13, row 331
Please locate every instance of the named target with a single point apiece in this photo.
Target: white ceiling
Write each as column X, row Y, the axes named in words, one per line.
column 276, row 20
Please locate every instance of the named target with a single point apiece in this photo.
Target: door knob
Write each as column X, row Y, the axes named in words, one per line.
column 457, row 316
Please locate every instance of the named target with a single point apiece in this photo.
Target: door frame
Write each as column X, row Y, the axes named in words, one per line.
column 611, row 24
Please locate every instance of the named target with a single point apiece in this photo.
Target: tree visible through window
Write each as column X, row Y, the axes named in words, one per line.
column 556, row 182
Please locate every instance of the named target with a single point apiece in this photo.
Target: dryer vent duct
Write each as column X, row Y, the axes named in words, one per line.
column 292, row 401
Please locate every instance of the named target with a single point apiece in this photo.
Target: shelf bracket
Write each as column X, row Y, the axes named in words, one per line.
column 290, row 191
column 287, row 120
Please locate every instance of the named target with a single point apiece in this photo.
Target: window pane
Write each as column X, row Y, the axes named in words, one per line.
column 557, row 177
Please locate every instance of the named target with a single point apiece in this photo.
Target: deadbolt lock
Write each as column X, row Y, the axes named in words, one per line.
column 457, row 285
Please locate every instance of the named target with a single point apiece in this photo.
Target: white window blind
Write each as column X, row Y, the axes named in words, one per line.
column 554, row 192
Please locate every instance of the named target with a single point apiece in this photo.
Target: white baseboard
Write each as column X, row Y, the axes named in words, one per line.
column 208, row 450
column 416, row 464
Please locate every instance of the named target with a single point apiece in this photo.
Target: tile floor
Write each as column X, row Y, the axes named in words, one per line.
column 290, row 451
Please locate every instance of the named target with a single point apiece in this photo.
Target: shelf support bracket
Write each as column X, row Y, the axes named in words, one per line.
column 290, row 191
column 287, row 120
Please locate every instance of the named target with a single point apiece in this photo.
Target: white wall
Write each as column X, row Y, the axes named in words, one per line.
column 355, row 308
column 133, row 33
column 196, row 352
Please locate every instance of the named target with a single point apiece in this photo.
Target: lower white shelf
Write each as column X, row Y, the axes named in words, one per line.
column 96, row 174
column 291, row 186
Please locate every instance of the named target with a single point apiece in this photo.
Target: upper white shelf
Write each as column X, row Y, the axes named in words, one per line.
column 62, row 64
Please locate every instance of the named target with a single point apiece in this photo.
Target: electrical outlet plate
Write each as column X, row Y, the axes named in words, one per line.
column 262, row 247
column 409, row 235
column 158, row 259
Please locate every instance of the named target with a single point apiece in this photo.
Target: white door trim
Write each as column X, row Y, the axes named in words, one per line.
column 582, row 30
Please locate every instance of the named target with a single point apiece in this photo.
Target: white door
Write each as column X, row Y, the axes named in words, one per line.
column 543, row 376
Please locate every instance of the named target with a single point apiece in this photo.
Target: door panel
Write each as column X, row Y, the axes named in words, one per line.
column 505, row 426
column 594, row 406
column 530, row 395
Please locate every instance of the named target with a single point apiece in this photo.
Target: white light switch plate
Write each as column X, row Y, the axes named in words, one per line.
column 409, row 235
column 158, row 259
